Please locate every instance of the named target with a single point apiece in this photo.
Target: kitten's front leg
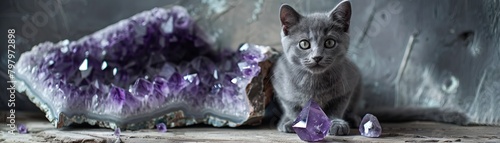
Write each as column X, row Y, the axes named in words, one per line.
column 335, row 112
column 290, row 111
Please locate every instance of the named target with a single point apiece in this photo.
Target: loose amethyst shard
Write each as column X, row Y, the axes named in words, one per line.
column 154, row 66
column 161, row 127
column 370, row 127
column 117, row 132
column 22, row 129
column 312, row 124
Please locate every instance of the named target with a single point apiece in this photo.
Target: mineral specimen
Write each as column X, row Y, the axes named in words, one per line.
column 117, row 132
column 22, row 129
column 161, row 127
column 156, row 66
column 370, row 127
column 312, row 124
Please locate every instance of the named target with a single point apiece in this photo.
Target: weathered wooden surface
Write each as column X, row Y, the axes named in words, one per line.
column 43, row 131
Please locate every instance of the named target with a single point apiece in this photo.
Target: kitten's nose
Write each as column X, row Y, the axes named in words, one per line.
column 317, row 59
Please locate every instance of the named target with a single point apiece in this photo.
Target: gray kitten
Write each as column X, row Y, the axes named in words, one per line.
column 314, row 66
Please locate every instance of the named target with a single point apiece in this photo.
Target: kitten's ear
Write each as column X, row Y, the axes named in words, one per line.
column 342, row 14
column 289, row 17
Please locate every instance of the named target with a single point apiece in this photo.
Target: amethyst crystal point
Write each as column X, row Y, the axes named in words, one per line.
column 117, row 132
column 253, row 54
column 249, row 69
column 118, row 96
column 161, row 127
column 312, row 124
column 167, row 70
column 156, row 65
column 176, row 83
column 160, row 85
column 370, row 127
column 142, row 88
column 22, row 129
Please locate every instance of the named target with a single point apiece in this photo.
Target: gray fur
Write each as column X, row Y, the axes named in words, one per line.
column 336, row 83
column 333, row 82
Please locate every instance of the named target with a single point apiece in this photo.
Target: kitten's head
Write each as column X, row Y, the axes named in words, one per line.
column 318, row 41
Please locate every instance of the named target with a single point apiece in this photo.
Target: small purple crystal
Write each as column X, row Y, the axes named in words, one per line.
column 161, row 127
column 312, row 124
column 370, row 127
column 117, row 132
column 22, row 129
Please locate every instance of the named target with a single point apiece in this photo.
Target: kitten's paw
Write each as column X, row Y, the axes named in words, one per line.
column 339, row 127
column 285, row 125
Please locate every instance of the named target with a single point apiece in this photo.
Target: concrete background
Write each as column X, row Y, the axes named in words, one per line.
column 452, row 61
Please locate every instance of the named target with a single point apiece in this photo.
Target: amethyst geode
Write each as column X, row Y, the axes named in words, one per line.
column 154, row 67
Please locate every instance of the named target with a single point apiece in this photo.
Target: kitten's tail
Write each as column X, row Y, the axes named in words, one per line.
column 406, row 114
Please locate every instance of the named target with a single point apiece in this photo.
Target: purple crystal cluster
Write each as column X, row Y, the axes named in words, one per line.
column 312, row 124
column 139, row 69
column 370, row 127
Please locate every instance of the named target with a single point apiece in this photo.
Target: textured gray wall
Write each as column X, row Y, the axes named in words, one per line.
column 452, row 61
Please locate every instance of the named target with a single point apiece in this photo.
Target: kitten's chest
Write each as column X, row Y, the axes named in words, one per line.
column 302, row 98
column 306, row 88
column 298, row 87
column 317, row 85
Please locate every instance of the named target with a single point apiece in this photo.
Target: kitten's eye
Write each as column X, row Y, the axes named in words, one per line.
column 330, row 43
column 304, row 44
